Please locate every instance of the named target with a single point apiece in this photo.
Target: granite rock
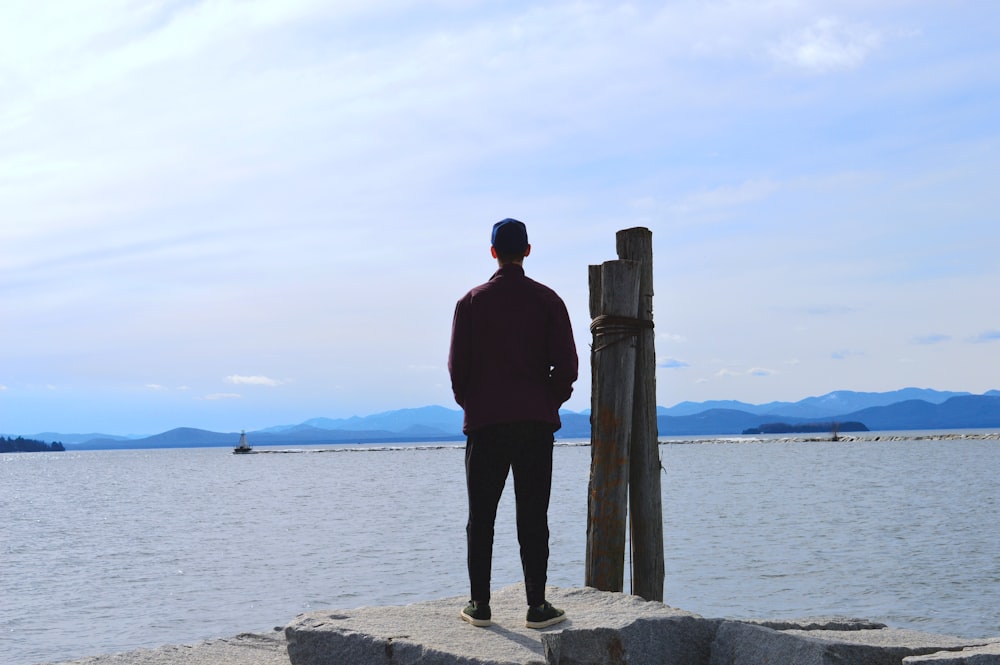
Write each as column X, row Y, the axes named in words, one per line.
column 744, row 643
column 243, row 649
column 987, row 654
column 601, row 628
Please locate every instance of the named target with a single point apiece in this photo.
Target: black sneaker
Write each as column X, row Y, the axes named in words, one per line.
column 544, row 615
column 478, row 614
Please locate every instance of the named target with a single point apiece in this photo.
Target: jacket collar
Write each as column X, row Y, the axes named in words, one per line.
column 509, row 270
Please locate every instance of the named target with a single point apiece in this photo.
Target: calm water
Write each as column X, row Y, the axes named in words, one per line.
column 107, row 551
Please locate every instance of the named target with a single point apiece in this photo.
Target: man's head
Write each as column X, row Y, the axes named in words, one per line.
column 509, row 242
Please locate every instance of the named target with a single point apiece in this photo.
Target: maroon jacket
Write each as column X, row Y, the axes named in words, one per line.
column 512, row 358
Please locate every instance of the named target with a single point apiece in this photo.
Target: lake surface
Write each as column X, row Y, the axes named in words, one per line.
column 106, row 551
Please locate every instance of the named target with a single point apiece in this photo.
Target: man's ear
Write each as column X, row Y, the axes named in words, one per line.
column 493, row 252
column 528, row 250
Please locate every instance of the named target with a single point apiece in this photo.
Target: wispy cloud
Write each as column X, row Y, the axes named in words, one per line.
column 934, row 338
column 727, row 196
column 828, row 310
column 986, row 336
column 753, row 371
column 672, row 363
column 239, row 380
column 827, row 45
column 215, row 396
column 844, row 354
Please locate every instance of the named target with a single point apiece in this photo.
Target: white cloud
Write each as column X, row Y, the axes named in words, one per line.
column 753, row 371
column 215, row 396
column 726, row 196
column 253, row 381
column 828, row 45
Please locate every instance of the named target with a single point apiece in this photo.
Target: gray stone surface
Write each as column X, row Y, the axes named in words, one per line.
column 741, row 643
column 819, row 623
column 988, row 654
column 244, row 649
column 601, row 628
column 680, row 639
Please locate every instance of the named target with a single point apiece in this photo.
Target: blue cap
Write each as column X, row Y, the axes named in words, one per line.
column 510, row 237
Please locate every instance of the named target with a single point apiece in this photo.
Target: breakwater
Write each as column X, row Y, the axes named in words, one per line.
column 869, row 437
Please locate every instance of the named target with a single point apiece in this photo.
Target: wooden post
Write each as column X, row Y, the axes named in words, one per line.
column 645, row 499
column 613, row 372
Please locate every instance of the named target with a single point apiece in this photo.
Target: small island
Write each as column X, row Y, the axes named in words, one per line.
column 800, row 428
column 22, row 445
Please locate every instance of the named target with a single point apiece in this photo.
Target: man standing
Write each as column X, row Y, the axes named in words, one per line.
column 512, row 364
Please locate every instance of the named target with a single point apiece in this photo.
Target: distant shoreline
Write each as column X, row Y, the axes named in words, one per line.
column 870, row 437
column 397, row 443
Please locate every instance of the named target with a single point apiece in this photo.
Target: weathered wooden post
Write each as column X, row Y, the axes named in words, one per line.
column 614, row 297
column 645, row 499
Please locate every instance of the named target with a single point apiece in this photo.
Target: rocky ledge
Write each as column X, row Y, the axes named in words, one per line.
column 602, row 629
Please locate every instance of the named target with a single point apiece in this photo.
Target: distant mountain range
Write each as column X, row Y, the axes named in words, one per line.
column 906, row 409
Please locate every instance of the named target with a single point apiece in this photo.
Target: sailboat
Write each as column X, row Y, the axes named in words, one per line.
column 243, row 447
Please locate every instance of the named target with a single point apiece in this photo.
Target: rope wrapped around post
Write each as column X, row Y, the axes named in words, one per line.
column 623, row 327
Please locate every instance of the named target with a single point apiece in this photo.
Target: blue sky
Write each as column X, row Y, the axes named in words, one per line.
column 230, row 215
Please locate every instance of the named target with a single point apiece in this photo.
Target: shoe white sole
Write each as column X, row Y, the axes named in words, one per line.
column 482, row 623
column 545, row 624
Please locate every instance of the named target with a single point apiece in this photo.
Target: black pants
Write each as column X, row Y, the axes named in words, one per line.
column 489, row 454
